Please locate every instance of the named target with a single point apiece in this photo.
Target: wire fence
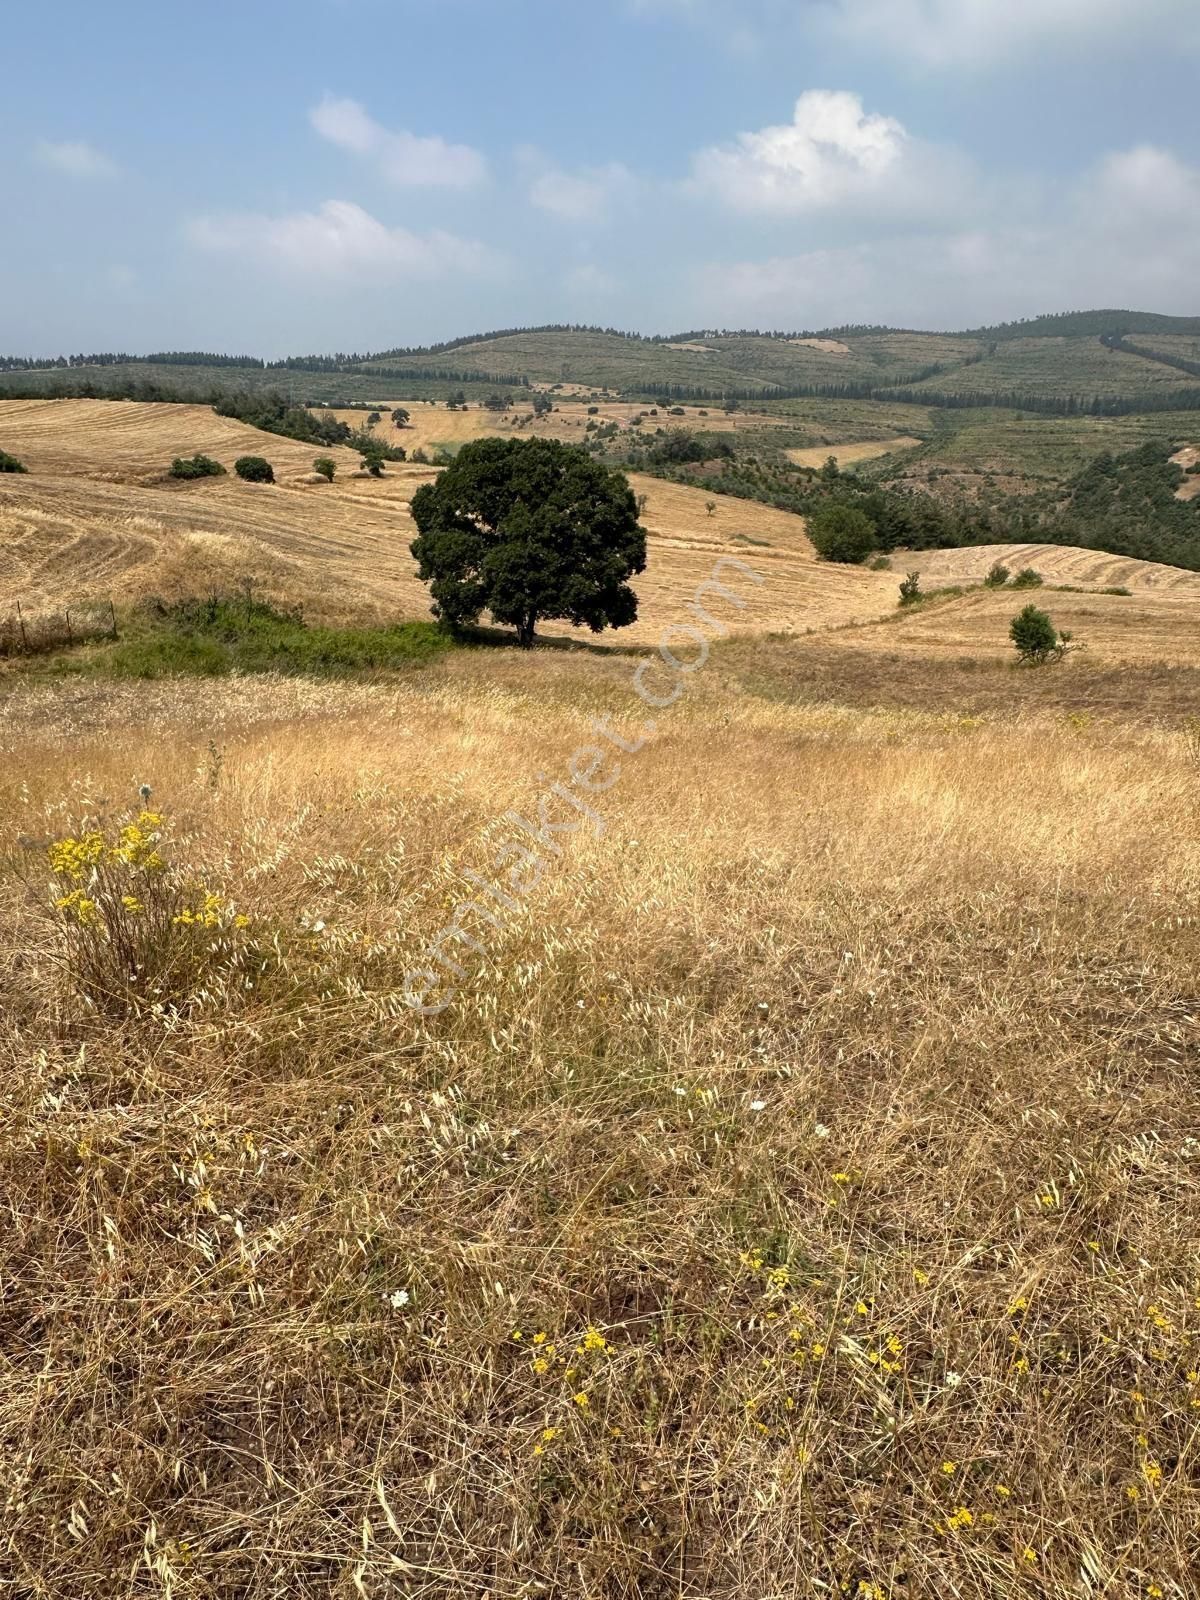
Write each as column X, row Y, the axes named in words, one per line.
column 30, row 631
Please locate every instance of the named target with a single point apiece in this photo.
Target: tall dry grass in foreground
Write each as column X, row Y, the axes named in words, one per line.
column 802, row 1200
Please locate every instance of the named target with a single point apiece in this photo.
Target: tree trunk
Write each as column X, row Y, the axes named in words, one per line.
column 525, row 630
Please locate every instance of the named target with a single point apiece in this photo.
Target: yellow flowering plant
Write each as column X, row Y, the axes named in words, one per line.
column 138, row 931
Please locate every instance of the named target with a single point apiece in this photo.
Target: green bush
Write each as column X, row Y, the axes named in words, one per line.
column 997, row 577
column 10, row 463
column 841, row 533
column 254, row 469
column 1027, row 578
column 196, row 467
column 325, row 467
column 1035, row 637
column 910, row 589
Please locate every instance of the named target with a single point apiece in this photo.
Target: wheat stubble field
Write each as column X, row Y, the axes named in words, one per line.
column 800, row 1196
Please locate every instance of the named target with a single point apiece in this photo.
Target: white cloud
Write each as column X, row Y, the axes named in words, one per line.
column 587, row 195
column 340, row 240
column 833, row 155
column 1127, row 233
column 402, row 158
column 75, row 158
column 944, row 33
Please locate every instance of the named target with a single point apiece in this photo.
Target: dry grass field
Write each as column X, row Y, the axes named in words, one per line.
column 94, row 518
column 797, row 1195
column 848, row 454
column 1066, row 564
column 432, row 426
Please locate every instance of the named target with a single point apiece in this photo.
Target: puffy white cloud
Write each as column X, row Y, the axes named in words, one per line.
column 407, row 159
column 340, row 240
column 833, row 155
column 75, row 158
column 1127, row 233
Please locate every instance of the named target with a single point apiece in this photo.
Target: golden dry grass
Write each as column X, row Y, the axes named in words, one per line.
column 93, row 518
column 847, row 454
column 832, row 1116
column 1068, row 564
column 1136, row 629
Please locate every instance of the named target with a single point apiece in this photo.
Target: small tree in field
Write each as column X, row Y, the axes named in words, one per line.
column 910, row 589
column 842, row 533
column 10, row 463
column 325, row 467
column 526, row 529
column 997, row 577
column 374, row 420
column 1036, row 639
column 400, row 417
column 254, row 469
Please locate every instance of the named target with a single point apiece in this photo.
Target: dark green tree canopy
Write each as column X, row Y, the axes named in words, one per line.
column 529, row 529
column 254, row 469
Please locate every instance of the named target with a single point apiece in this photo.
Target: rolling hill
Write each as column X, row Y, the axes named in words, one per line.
column 96, row 518
column 1066, row 359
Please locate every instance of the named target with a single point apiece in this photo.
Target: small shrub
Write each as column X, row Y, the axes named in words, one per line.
column 10, row 463
column 196, row 467
column 910, row 589
column 881, row 564
column 1118, row 590
column 1027, row 578
column 325, row 467
column 254, row 469
column 997, row 577
column 1035, row 637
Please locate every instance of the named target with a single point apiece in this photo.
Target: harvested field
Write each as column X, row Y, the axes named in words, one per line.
column 1089, row 569
column 848, row 454
column 341, row 549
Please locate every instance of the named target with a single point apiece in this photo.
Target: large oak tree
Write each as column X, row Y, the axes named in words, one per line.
column 529, row 529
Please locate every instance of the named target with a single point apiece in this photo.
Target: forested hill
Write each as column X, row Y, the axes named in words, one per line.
column 1105, row 363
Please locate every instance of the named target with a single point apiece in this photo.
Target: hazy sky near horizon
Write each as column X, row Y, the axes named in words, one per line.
column 287, row 176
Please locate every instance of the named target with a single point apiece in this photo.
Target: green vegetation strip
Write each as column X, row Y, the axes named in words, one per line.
column 209, row 638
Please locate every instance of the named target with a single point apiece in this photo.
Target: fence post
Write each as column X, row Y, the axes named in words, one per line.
column 113, row 613
column 70, row 639
column 24, row 638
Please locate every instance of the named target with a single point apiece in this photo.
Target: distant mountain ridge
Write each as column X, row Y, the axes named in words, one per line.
column 1090, row 363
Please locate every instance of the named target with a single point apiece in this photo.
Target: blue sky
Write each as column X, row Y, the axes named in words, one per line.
column 285, row 176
